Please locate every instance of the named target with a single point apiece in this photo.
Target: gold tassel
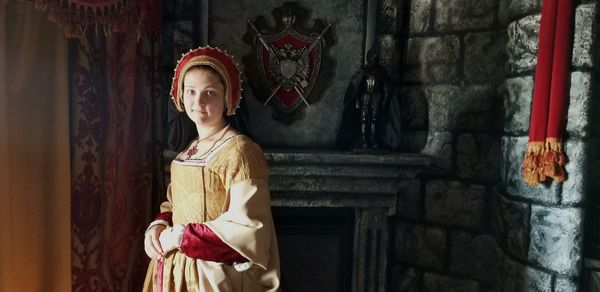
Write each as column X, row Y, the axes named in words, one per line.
column 554, row 160
column 532, row 163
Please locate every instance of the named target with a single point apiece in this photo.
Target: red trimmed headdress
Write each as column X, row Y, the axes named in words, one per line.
column 217, row 59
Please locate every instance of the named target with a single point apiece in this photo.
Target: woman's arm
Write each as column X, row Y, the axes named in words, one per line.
column 200, row 242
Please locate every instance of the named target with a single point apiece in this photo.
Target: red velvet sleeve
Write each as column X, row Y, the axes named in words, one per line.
column 165, row 216
column 200, row 242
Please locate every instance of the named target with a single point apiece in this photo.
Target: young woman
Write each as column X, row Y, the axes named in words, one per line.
column 215, row 231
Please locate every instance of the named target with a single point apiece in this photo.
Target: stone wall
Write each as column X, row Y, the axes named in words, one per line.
column 452, row 71
column 540, row 229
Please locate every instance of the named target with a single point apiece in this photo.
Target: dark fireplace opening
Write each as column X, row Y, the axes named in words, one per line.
column 315, row 248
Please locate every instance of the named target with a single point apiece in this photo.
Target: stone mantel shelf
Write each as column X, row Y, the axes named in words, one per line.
column 347, row 158
column 331, row 175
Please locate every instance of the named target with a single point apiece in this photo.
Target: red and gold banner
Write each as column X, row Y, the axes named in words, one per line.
column 545, row 158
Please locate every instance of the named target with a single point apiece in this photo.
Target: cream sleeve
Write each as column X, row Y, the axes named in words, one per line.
column 247, row 226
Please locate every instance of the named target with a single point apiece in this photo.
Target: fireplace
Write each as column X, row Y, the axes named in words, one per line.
column 331, row 211
column 315, row 248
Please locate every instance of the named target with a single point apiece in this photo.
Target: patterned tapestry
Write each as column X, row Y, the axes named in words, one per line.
column 116, row 171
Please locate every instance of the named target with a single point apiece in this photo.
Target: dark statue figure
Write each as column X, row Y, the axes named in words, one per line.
column 371, row 118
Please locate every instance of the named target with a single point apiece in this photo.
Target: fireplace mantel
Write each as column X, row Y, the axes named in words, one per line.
column 326, row 172
column 376, row 186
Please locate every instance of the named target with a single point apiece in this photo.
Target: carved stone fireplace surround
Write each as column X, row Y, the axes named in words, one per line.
column 374, row 185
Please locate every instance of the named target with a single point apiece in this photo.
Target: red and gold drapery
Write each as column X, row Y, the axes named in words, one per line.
column 545, row 158
column 74, row 16
column 116, row 158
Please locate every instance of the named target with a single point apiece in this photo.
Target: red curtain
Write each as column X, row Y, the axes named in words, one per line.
column 116, row 162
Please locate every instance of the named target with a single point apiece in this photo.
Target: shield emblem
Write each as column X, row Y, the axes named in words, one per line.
column 288, row 68
column 286, row 63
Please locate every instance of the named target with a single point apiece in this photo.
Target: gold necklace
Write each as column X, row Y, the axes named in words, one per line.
column 194, row 149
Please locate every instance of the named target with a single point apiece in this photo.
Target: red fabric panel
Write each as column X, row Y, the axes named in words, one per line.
column 200, row 242
column 159, row 275
column 167, row 216
column 560, row 69
column 543, row 72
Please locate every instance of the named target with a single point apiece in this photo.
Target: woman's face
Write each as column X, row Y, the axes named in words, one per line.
column 203, row 96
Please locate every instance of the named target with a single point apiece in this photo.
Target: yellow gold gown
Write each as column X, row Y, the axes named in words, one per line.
column 228, row 193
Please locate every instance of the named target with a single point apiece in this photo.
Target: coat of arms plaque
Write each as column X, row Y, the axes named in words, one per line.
column 286, row 68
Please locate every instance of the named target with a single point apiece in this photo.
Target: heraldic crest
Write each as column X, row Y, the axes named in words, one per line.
column 288, row 63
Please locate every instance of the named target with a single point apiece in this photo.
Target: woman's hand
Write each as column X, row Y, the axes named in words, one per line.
column 152, row 244
column 171, row 237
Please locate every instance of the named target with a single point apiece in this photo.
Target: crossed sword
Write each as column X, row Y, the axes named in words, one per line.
column 271, row 52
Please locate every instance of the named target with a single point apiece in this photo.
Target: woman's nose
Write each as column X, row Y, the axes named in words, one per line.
column 199, row 98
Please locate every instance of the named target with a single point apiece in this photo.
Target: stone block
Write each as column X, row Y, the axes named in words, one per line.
column 513, row 149
column 409, row 202
column 579, row 111
column 522, row 44
column 485, row 56
column 478, row 157
column 519, row 8
column 420, row 246
column 517, row 104
column 519, row 277
column 420, row 16
column 468, row 108
column 456, row 15
column 476, row 257
column 573, row 189
column 565, row 285
column 432, row 59
column 440, row 145
column 435, row 282
column 556, row 239
column 455, row 204
column 414, row 108
column 512, row 226
column 415, row 141
column 406, row 279
column 582, row 39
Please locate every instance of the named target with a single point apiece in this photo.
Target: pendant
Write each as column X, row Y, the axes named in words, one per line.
column 193, row 150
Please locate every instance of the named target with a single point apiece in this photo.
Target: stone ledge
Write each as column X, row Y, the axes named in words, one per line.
column 327, row 157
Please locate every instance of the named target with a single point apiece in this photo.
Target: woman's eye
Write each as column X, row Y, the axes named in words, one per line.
column 191, row 92
column 210, row 93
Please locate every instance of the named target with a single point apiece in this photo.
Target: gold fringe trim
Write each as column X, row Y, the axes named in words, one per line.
column 531, row 162
column 119, row 16
column 544, row 160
